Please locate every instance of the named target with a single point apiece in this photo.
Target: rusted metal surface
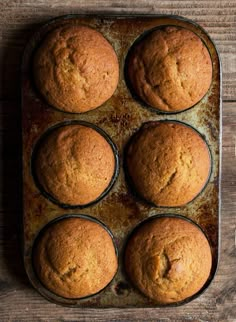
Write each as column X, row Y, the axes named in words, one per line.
column 119, row 117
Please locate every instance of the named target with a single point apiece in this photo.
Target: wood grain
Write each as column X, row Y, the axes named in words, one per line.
column 18, row 300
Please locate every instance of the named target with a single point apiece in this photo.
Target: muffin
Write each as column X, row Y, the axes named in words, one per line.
column 168, row 259
column 74, row 164
column 75, row 69
column 75, row 257
column 167, row 163
column 170, row 69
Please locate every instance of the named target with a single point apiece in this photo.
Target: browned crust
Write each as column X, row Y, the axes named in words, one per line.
column 75, row 164
column 75, row 258
column 168, row 163
column 168, row 259
column 170, row 69
column 76, row 69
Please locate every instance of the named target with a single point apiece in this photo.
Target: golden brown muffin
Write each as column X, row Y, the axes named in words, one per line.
column 75, row 257
column 168, row 163
column 74, row 164
column 170, row 69
column 168, row 259
column 76, row 69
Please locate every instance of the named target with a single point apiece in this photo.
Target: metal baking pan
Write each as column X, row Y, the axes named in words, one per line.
column 120, row 117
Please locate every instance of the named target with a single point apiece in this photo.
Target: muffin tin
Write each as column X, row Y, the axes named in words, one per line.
column 120, row 117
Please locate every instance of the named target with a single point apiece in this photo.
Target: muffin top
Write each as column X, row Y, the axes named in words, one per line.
column 74, row 164
column 168, row 259
column 75, row 257
column 76, row 69
column 170, row 69
column 168, row 163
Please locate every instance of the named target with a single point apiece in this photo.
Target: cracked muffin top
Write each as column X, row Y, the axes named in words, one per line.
column 75, row 69
column 168, row 163
column 75, row 257
column 74, row 164
column 168, row 259
column 170, row 69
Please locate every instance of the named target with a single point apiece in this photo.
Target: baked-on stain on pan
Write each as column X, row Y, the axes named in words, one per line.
column 120, row 117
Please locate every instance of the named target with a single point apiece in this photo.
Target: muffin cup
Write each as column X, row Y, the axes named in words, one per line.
column 129, row 181
column 35, row 280
column 213, row 267
column 48, row 195
column 37, row 65
column 128, row 82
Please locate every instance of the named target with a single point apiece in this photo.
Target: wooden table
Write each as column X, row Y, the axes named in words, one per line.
column 18, row 300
